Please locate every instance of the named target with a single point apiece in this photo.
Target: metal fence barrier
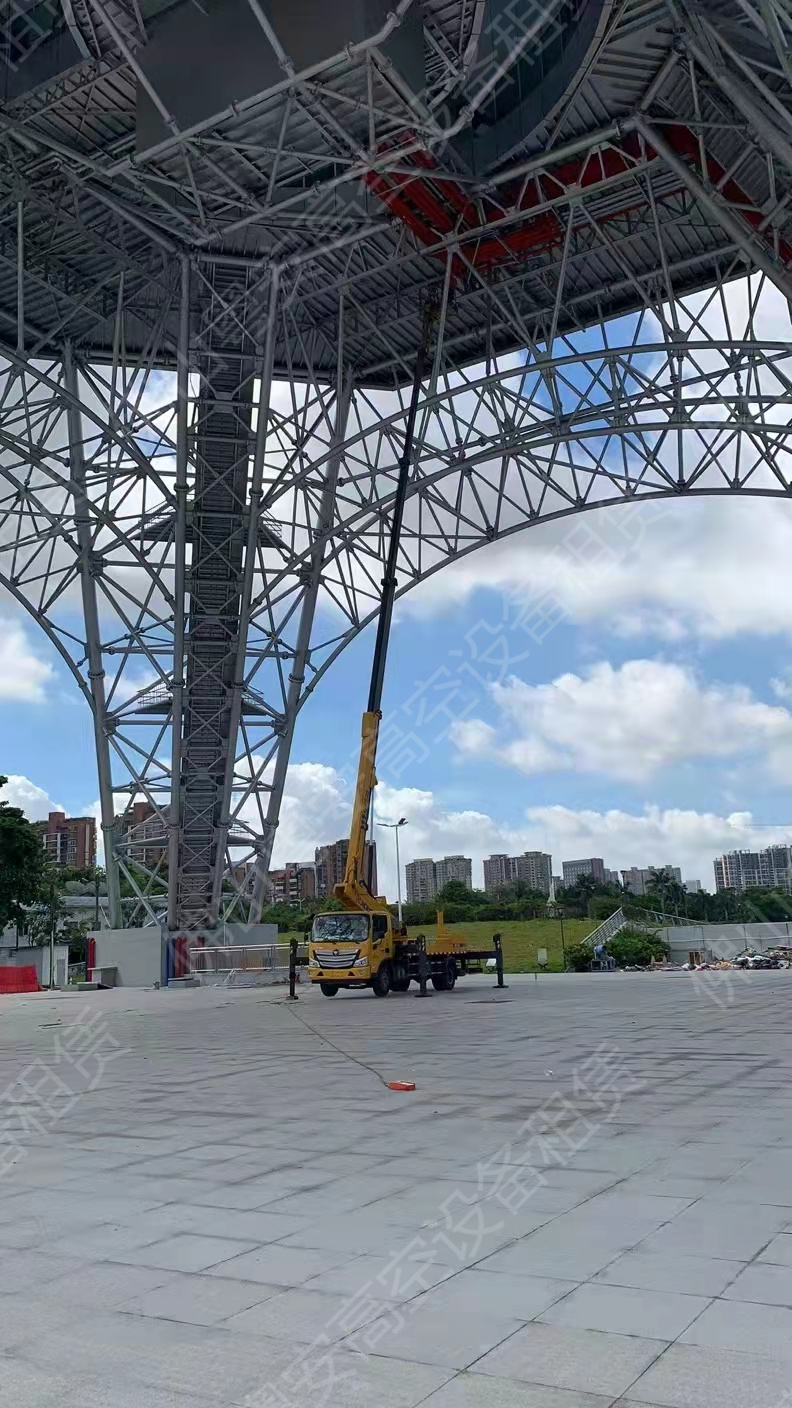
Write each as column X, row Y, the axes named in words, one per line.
column 253, row 958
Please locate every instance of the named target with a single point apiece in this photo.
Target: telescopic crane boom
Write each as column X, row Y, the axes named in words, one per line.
column 353, row 891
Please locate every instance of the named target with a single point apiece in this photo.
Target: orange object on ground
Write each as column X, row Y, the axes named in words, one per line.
column 401, row 1085
column 19, row 979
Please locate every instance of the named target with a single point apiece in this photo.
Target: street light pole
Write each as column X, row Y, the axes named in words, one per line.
column 398, row 877
column 395, row 826
column 52, row 938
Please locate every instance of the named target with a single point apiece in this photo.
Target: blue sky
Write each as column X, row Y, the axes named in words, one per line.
column 684, row 656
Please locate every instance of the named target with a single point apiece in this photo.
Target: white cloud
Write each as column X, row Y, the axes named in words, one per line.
column 317, row 807
column 653, row 836
column 34, row 801
column 23, row 676
column 628, row 722
column 782, row 685
column 710, row 568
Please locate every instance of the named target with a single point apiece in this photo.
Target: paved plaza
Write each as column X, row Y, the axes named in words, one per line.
column 212, row 1198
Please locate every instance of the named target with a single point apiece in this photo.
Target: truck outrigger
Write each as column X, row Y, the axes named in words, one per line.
column 360, row 947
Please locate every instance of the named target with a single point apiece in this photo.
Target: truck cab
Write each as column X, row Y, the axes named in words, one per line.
column 352, row 950
column 365, row 949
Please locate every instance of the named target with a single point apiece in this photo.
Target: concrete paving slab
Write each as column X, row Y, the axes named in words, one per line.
column 187, row 1251
column 470, row 1391
column 690, row 1376
column 280, row 1266
column 377, row 1383
column 664, row 1271
column 567, row 1255
column 301, row 1316
column 197, row 1300
column 763, row 1282
column 660, row 1315
column 331, row 1185
column 586, row 1360
column 452, row 1339
column 709, row 1230
column 746, row 1326
column 100, row 1285
column 382, row 1279
column 778, row 1251
column 520, row 1297
column 107, row 1241
column 22, row 1271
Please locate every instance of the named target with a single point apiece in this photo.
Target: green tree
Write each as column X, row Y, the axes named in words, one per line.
column 579, row 956
column 21, row 863
column 603, row 906
column 54, row 910
column 455, row 892
column 634, row 948
column 665, row 890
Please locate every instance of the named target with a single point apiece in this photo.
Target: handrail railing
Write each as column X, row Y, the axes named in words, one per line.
column 249, row 958
column 608, row 928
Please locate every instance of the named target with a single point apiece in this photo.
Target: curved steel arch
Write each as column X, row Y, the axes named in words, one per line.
column 679, row 410
column 721, row 428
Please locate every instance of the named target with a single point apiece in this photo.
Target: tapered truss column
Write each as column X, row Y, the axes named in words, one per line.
column 226, row 364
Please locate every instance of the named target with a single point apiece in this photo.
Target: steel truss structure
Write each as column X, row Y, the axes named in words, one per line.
column 207, row 347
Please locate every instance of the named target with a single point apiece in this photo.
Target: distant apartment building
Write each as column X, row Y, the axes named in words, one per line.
column 146, row 836
column 294, row 884
column 693, row 887
column 330, row 863
column 638, row 879
column 497, row 872
column 69, row 840
column 575, row 869
column 612, row 877
column 421, row 880
column 533, row 868
column 454, row 868
column 770, row 869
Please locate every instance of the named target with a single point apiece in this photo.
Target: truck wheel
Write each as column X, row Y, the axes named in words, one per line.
column 381, row 983
column 445, row 980
column 329, row 989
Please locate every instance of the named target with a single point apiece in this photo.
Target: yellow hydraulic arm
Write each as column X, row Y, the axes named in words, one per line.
column 353, row 891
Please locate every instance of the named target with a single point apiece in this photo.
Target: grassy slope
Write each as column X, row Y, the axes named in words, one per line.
column 521, row 939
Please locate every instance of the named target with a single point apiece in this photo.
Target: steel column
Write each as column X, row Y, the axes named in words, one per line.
column 246, row 593
column 96, row 674
column 179, row 583
column 302, row 653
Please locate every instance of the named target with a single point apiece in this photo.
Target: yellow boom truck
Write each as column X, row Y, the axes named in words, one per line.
column 360, row 947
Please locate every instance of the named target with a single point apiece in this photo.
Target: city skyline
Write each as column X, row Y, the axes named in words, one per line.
column 299, row 881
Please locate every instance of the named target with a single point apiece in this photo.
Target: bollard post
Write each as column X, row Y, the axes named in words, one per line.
column 423, row 965
column 293, row 970
column 498, row 945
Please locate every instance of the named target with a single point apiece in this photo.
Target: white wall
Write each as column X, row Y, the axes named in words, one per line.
column 724, row 940
column 136, row 953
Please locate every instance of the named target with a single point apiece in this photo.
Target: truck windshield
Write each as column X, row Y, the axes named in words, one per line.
column 332, row 927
